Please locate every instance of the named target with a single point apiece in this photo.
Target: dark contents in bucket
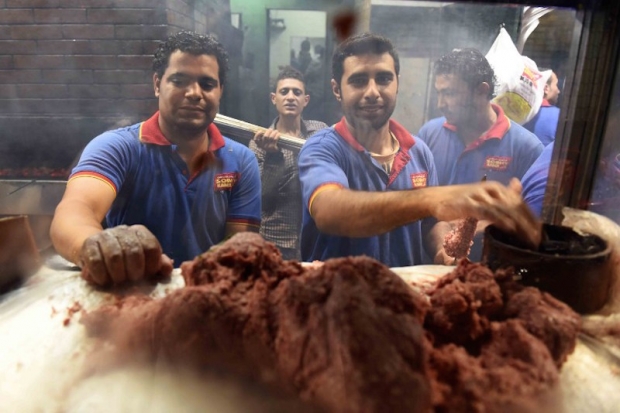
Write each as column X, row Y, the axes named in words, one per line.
column 582, row 246
column 558, row 240
column 572, row 267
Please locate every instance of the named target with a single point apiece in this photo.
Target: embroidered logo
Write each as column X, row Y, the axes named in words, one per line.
column 225, row 182
column 419, row 180
column 497, row 163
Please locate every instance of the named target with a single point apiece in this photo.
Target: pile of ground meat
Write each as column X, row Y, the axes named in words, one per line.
column 493, row 342
column 350, row 335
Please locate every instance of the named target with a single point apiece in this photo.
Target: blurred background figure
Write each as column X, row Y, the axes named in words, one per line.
column 315, row 84
column 294, row 63
column 544, row 125
column 305, row 57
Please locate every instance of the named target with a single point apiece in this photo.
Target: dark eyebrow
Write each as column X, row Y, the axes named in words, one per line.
column 201, row 79
column 294, row 89
column 356, row 76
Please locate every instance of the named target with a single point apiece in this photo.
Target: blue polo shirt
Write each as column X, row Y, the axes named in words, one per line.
column 333, row 158
column 545, row 123
column 535, row 181
column 505, row 151
column 187, row 214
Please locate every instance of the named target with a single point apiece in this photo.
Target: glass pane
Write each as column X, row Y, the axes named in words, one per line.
column 605, row 198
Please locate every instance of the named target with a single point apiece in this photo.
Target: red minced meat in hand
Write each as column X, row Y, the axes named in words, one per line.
column 457, row 243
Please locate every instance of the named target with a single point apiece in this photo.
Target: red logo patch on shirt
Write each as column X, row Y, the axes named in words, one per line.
column 419, row 180
column 497, row 163
column 225, row 182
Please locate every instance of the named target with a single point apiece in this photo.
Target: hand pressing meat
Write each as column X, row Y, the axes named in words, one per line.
column 123, row 253
column 458, row 242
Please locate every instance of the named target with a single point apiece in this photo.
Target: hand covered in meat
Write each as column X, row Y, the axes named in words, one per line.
column 502, row 205
column 123, row 253
column 267, row 140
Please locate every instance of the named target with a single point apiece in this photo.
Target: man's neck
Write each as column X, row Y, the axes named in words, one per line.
column 378, row 141
column 190, row 146
column 481, row 123
column 289, row 125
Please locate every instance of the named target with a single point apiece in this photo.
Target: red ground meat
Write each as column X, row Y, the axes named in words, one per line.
column 459, row 240
column 346, row 336
column 350, row 335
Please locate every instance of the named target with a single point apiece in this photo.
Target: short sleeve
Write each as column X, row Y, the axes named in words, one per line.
column 109, row 156
column 319, row 165
column 245, row 203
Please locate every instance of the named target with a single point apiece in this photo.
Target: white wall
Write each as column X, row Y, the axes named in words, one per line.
column 412, row 92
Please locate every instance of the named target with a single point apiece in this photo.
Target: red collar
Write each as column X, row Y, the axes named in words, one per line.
column 545, row 102
column 404, row 138
column 151, row 133
column 497, row 130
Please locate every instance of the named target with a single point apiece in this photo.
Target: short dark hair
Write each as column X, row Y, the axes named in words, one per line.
column 470, row 65
column 289, row 72
column 193, row 43
column 361, row 44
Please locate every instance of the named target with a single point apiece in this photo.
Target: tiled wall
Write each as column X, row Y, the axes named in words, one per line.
column 70, row 69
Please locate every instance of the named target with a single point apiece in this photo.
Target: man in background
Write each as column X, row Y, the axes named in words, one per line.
column 545, row 123
column 281, row 198
column 168, row 188
column 474, row 140
column 369, row 187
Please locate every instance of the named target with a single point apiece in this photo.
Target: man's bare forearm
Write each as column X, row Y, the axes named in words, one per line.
column 351, row 213
column 72, row 225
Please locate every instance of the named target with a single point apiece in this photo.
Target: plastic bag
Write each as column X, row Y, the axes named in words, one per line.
column 520, row 86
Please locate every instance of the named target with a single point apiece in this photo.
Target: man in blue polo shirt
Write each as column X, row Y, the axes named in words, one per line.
column 535, row 180
column 474, row 139
column 167, row 188
column 367, row 184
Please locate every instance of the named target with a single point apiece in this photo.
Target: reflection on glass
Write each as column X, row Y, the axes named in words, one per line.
column 262, row 36
column 605, row 198
column 297, row 38
column 422, row 31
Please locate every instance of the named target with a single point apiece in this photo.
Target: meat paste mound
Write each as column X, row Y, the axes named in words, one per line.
column 350, row 335
column 346, row 336
column 494, row 342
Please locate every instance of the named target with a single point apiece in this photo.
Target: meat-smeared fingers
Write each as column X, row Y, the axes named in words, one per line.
column 133, row 254
column 92, row 263
column 152, row 250
column 113, row 256
column 166, row 265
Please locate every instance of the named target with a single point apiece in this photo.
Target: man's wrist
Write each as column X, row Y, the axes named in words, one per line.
column 274, row 155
